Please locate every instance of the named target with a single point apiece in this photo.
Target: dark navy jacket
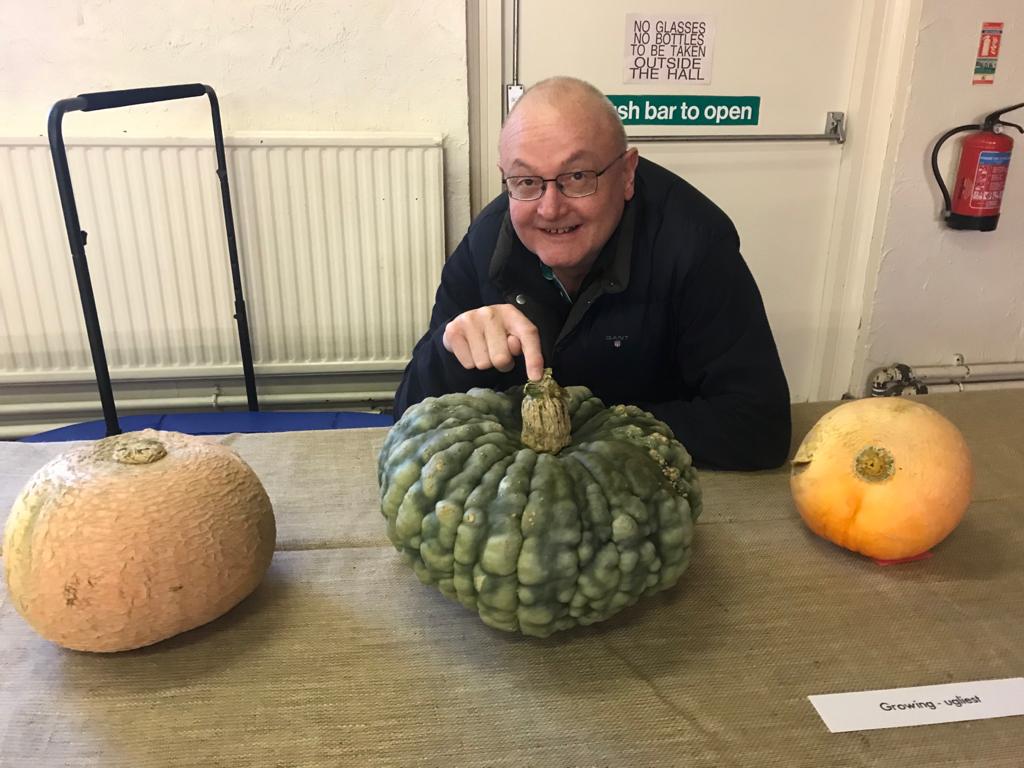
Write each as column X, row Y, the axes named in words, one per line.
column 669, row 319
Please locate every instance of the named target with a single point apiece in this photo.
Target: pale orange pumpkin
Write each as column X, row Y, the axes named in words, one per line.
column 135, row 538
column 888, row 477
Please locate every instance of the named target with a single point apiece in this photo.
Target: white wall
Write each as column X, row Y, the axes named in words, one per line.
column 394, row 65
column 934, row 292
column 277, row 65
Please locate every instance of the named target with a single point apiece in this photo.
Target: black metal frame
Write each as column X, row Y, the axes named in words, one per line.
column 89, row 102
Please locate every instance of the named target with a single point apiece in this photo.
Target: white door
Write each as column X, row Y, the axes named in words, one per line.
column 799, row 57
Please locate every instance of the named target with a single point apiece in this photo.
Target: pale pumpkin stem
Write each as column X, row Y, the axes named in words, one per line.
column 546, row 424
column 132, row 449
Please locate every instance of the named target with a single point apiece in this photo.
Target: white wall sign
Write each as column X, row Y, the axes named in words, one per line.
column 671, row 49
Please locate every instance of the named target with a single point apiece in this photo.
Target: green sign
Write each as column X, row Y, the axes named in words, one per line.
column 687, row 110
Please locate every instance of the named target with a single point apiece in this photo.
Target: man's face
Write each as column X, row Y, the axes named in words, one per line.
column 540, row 139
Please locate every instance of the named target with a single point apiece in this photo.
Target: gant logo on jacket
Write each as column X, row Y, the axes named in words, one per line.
column 616, row 340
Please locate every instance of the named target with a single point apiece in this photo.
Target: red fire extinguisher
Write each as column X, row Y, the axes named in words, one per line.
column 981, row 175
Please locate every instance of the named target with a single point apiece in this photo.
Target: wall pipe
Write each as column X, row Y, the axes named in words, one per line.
column 894, row 379
column 970, row 386
column 974, row 372
column 214, row 401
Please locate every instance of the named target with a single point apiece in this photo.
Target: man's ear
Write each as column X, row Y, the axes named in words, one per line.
column 630, row 162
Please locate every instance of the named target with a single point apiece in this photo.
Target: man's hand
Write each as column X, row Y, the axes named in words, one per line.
column 490, row 337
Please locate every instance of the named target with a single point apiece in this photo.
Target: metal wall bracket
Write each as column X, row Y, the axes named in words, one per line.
column 835, row 126
column 512, row 94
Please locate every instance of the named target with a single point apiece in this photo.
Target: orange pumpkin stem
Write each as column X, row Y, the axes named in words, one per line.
column 874, row 464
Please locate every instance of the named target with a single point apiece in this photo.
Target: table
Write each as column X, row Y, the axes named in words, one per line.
column 342, row 658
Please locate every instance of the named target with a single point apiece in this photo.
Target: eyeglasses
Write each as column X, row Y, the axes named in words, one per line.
column 571, row 184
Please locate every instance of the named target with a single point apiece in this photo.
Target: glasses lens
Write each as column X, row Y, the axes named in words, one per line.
column 525, row 187
column 578, row 183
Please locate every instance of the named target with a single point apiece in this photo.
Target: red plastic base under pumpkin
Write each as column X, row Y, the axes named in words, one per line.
column 898, row 560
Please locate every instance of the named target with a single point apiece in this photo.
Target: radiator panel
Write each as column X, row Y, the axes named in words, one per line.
column 340, row 239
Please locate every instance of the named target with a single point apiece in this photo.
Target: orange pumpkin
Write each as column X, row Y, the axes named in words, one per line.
column 134, row 538
column 888, row 477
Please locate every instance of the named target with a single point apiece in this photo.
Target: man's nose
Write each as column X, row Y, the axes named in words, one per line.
column 552, row 201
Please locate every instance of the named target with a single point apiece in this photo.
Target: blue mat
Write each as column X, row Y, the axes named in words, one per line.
column 219, row 423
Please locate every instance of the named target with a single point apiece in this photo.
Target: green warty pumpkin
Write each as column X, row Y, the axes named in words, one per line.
column 534, row 538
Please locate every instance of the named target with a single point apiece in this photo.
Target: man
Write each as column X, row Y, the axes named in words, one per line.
column 619, row 276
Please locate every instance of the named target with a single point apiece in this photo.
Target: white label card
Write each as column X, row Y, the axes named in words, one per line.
column 920, row 705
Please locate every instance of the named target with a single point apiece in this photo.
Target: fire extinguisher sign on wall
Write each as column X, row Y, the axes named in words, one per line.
column 988, row 53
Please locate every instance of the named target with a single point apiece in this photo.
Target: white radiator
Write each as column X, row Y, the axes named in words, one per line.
column 340, row 240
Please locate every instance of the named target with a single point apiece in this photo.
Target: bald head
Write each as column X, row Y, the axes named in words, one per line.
column 571, row 97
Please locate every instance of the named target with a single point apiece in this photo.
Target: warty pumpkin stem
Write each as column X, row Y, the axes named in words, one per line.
column 545, row 411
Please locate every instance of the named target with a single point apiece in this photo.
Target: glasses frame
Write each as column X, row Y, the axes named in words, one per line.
column 558, row 184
